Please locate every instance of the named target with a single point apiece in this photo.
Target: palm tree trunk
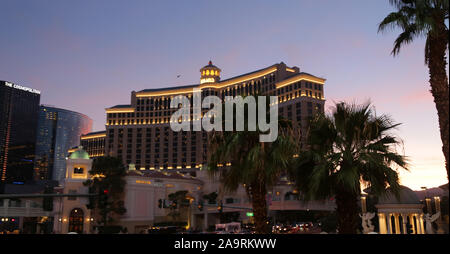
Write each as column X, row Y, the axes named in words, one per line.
column 258, row 191
column 439, row 85
column 347, row 211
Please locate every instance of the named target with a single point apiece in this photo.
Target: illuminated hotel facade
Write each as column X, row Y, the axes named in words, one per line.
column 139, row 133
column 94, row 143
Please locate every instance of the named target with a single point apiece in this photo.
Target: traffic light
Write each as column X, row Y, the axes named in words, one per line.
column 220, row 207
column 103, row 198
column 200, row 206
column 160, row 203
column 174, row 204
column 48, row 201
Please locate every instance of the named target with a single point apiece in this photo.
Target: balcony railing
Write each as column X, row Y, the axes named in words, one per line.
column 25, row 208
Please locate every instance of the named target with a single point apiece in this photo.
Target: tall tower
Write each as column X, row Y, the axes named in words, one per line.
column 19, row 110
column 58, row 131
column 209, row 74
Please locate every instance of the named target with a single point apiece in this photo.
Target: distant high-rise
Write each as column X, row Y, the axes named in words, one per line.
column 94, row 143
column 58, row 131
column 19, row 109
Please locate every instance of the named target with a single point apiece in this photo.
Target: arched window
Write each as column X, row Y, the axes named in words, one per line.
column 76, row 220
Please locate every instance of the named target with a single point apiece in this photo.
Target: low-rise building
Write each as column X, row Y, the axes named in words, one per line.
column 71, row 213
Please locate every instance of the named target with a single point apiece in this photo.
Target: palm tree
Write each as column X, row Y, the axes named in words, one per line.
column 179, row 202
column 255, row 165
column 427, row 18
column 349, row 148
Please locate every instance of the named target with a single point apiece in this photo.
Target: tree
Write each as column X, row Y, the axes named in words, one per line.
column 211, row 197
column 108, row 183
column 253, row 164
column 427, row 18
column 351, row 147
column 179, row 201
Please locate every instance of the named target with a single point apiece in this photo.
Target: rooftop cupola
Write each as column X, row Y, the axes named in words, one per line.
column 209, row 74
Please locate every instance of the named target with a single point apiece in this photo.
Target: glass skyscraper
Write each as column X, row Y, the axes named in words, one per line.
column 19, row 108
column 58, row 131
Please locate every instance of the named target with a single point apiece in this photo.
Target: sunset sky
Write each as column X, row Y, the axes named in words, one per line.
column 89, row 55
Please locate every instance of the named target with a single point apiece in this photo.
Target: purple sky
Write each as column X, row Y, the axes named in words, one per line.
column 89, row 55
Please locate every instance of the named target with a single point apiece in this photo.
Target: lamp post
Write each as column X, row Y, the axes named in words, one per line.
column 427, row 200
column 363, row 204
column 437, row 204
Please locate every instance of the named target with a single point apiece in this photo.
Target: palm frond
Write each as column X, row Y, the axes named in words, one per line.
column 347, row 147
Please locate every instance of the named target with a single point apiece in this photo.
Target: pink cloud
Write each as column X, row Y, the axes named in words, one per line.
column 416, row 96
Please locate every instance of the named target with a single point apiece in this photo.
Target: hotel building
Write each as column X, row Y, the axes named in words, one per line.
column 139, row 133
column 58, row 130
column 19, row 109
column 94, row 143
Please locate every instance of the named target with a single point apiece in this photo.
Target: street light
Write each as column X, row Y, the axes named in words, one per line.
column 427, row 200
column 437, row 204
column 363, row 204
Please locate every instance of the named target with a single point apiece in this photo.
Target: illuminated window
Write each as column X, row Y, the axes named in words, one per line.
column 78, row 170
column 207, row 72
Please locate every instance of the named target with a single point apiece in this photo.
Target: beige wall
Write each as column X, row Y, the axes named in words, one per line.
column 73, row 183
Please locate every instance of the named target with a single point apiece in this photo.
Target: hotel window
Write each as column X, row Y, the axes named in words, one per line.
column 309, row 108
column 78, row 170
